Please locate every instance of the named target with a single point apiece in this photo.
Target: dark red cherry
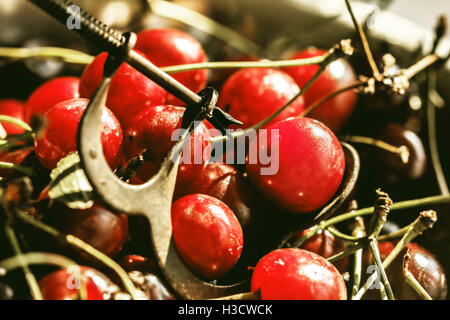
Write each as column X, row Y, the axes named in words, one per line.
column 296, row 274
column 251, row 95
column 397, row 135
column 222, row 182
column 155, row 130
column 169, row 47
column 64, row 284
column 306, row 164
column 15, row 109
column 325, row 244
column 129, row 93
column 51, row 93
column 60, row 135
column 207, row 235
column 337, row 75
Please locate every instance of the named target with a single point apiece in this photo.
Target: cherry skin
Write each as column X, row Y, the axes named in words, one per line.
column 54, row 286
column 169, row 47
column 154, row 129
column 60, row 135
column 251, row 95
column 326, row 245
column 297, row 274
column 222, row 182
column 129, row 93
column 207, row 235
column 310, row 163
column 15, row 109
column 339, row 74
column 50, row 93
column 16, row 157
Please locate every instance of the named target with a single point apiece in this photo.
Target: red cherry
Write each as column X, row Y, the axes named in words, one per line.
column 59, row 137
column 251, row 95
column 62, row 284
column 152, row 129
column 129, row 93
column 169, row 47
column 339, row 74
column 325, row 244
column 310, row 163
column 16, row 157
column 207, row 234
column 103, row 229
column 222, row 182
column 51, row 93
column 15, row 109
column 296, row 274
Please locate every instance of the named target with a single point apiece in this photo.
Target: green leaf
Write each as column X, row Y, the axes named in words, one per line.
column 70, row 185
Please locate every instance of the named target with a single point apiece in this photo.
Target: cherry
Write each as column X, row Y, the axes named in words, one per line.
column 222, row 182
column 339, row 74
column 424, row 267
column 102, row 228
column 251, row 95
column 310, row 163
column 12, row 108
column 398, row 136
column 16, row 157
column 59, row 137
column 62, row 284
column 297, row 274
column 129, row 93
column 207, row 234
column 169, row 47
column 152, row 129
column 50, row 93
column 325, row 244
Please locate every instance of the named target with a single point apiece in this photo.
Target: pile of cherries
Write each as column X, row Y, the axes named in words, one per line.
column 223, row 214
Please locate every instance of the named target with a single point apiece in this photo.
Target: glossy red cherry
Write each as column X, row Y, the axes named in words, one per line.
column 15, row 109
column 325, row 244
column 339, row 74
column 296, row 274
column 222, row 182
column 310, row 163
column 169, row 47
column 16, row 157
column 251, row 95
column 63, row 284
column 60, row 135
column 102, row 228
column 51, row 93
column 154, row 129
column 207, row 235
column 129, row 93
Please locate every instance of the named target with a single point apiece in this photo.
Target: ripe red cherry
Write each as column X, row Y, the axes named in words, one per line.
column 207, row 234
column 102, row 228
column 296, row 274
column 251, row 95
column 169, row 47
column 152, row 129
column 15, row 109
column 222, row 182
column 325, row 244
column 310, row 163
column 16, row 157
column 51, row 93
column 339, row 74
column 60, row 135
column 129, row 93
column 62, row 284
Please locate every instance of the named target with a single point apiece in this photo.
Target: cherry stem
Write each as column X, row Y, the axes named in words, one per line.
column 421, row 65
column 402, row 151
column 349, row 251
column 358, row 231
column 343, row 236
column 17, row 122
column 19, row 168
column 63, row 54
column 380, row 213
column 393, row 235
column 373, row 246
column 76, row 242
column 199, row 21
column 242, row 296
column 42, row 258
column 411, row 280
column 362, row 36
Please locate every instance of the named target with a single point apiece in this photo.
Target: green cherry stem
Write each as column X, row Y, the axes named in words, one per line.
column 66, row 55
column 373, row 246
column 17, row 122
column 343, row 236
column 358, row 231
column 16, row 167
